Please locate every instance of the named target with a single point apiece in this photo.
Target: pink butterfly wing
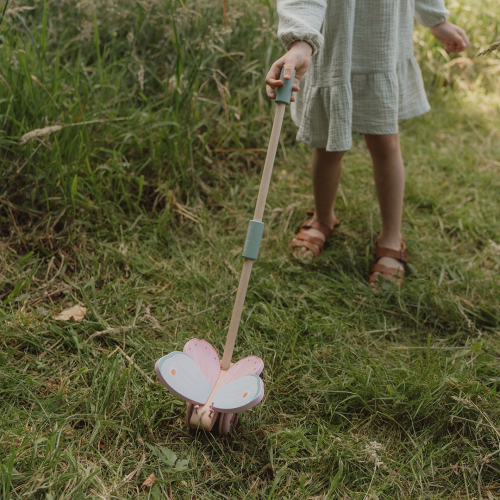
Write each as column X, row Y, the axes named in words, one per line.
column 251, row 365
column 206, row 358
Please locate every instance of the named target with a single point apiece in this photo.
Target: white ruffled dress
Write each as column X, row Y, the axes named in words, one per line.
column 363, row 75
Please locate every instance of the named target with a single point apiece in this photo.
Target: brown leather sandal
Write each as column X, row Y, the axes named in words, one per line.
column 389, row 273
column 304, row 239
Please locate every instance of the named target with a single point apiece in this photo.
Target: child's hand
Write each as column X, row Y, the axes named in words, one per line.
column 452, row 37
column 298, row 58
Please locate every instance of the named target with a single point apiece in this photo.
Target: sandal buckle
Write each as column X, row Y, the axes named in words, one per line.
column 403, row 257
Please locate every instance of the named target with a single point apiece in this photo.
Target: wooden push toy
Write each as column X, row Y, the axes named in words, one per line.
column 215, row 389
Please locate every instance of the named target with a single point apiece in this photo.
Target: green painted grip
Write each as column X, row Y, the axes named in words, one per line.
column 284, row 92
column 252, row 241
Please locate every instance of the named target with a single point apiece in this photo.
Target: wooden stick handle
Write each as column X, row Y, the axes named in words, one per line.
column 259, row 212
column 268, row 165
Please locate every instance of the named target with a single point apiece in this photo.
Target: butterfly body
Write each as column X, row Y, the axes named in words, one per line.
column 195, row 375
column 203, row 415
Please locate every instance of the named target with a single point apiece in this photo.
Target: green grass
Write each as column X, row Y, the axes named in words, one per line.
column 142, row 220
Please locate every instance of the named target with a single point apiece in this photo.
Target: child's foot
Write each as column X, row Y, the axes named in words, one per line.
column 389, row 263
column 310, row 240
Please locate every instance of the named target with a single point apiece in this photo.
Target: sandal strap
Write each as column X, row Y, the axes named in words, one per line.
column 389, row 271
column 315, row 224
column 400, row 255
column 304, row 243
column 304, row 239
column 303, row 235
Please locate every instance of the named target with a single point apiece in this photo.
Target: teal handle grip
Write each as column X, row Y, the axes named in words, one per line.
column 253, row 239
column 284, row 92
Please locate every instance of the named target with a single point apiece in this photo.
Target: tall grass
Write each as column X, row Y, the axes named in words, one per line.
column 166, row 68
column 188, row 86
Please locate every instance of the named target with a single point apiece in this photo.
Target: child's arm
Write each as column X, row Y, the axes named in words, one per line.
column 433, row 14
column 299, row 31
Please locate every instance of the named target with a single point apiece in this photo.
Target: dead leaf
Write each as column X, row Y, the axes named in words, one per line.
column 76, row 312
column 150, row 481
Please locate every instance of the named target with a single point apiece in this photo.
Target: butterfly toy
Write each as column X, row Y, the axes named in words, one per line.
column 214, row 389
column 211, row 393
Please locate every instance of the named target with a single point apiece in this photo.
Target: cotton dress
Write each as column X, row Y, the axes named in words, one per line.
column 363, row 75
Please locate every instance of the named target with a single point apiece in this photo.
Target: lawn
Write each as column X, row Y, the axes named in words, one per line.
column 136, row 206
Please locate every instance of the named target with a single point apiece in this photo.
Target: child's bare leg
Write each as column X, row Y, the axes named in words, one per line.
column 326, row 172
column 389, row 173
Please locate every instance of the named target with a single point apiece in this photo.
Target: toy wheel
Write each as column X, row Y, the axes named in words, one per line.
column 189, row 412
column 227, row 423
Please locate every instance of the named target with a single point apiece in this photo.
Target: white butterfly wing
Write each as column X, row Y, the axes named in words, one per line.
column 182, row 376
column 239, row 395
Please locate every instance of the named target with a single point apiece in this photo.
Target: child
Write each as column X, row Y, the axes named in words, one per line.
column 363, row 77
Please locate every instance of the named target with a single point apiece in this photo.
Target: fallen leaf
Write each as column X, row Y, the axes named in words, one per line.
column 150, row 480
column 76, row 312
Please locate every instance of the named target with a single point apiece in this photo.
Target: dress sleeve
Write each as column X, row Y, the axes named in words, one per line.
column 301, row 20
column 430, row 13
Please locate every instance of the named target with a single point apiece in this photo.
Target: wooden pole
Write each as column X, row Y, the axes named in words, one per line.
column 259, row 212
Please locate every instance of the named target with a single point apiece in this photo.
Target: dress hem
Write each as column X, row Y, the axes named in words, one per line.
column 368, row 103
